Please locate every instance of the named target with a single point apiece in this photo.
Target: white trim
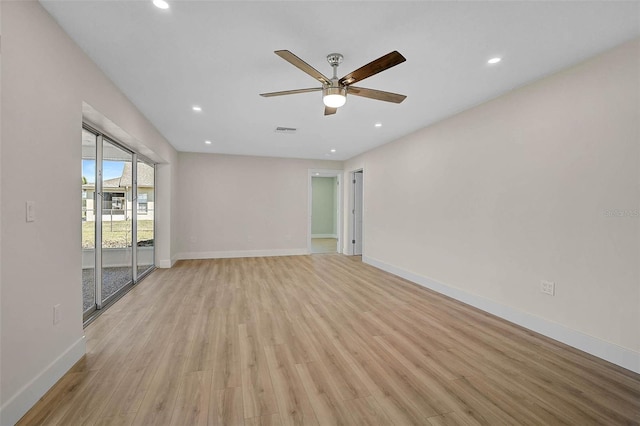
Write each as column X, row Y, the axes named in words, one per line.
column 242, row 253
column 166, row 263
column 134, row 217
column 324, row 236
column 615, row 354
column 29, row 394
column 348, row 245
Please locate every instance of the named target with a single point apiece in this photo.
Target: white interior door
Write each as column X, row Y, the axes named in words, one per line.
column 357, row 213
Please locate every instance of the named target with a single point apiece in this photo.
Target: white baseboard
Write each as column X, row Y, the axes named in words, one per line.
column 615, row 354
column 17, row 405
column 242, row 253
column 324, row 236
column 166, row 263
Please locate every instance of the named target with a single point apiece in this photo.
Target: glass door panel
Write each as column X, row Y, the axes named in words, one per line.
column 118, row 209
column 117, row 224
column 145, row 217
column 88, row 221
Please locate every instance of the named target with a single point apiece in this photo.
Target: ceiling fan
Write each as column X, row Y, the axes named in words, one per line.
column 334, row 90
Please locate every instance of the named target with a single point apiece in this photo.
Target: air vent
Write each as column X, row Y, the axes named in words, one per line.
column 287, row 130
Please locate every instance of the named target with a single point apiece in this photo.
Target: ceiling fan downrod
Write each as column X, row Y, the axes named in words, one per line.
column 335, row 59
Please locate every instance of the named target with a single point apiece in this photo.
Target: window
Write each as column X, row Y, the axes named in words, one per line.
column 143, row 205
column 114, row 203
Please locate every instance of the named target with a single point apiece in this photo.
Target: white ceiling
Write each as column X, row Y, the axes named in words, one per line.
column 219, row 55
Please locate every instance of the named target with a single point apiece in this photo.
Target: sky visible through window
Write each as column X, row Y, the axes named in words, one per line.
column 110, row 169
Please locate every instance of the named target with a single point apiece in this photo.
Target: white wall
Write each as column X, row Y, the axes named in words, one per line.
column 46, row 79
column 323, row 207
column 484, row 205
column 234, row 206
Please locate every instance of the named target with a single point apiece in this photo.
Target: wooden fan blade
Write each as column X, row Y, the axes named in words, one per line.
column 290, row 92
column 387, row 61
column 294, row 60
column 329, row 110
column 376, row 94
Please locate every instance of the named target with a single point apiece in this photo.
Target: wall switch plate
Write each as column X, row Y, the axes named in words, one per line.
column 31, row 211
column 56, row 314
column 548, row 287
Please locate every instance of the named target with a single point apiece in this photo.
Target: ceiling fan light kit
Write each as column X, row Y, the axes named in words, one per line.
column 334, row 97
column 334, row 90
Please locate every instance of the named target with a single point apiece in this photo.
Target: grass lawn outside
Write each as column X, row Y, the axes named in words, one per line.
column 115, row 234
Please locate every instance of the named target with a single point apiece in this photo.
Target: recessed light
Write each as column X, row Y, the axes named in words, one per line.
column 378, row 124
column 317, row 174
column 161, row 4
column 333, row 150
column 196, row 108
column 207, row 142
column 494, row 60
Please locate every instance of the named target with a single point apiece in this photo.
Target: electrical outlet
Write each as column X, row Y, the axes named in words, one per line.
column 548, row 287
column 56, row 314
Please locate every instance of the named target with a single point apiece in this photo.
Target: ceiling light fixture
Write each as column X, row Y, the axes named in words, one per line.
column 378, row 124
column 333, row 150
column 196, row 108
column 334, row 97
column 494, row 60
column 161, row 4
column 207, row 142
column 317, row 174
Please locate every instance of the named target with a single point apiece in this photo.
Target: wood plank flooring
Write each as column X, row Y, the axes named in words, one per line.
column 324, row 245
column 322, row 340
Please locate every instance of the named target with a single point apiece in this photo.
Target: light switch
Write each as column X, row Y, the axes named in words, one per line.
column 31, row 211
column 56, row 314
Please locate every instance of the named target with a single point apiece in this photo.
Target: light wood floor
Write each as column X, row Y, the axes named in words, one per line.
column 324, row 245
column 322, row 340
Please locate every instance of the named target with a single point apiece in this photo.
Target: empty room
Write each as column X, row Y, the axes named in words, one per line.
column 319, row 213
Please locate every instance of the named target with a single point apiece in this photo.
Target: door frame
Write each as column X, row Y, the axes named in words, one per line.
column 339, row 225
column 349, row 248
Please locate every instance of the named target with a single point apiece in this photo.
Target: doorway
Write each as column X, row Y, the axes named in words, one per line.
column 325, row 215
column 118, row 193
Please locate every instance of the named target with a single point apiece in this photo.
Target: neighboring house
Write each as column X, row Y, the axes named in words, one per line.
column 117, row 196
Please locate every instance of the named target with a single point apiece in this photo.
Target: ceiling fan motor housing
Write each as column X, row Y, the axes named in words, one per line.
column 334, row 90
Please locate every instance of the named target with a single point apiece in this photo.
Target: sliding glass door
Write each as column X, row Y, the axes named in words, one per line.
column 118, row 194
column 117, row 220
column 89, row 144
